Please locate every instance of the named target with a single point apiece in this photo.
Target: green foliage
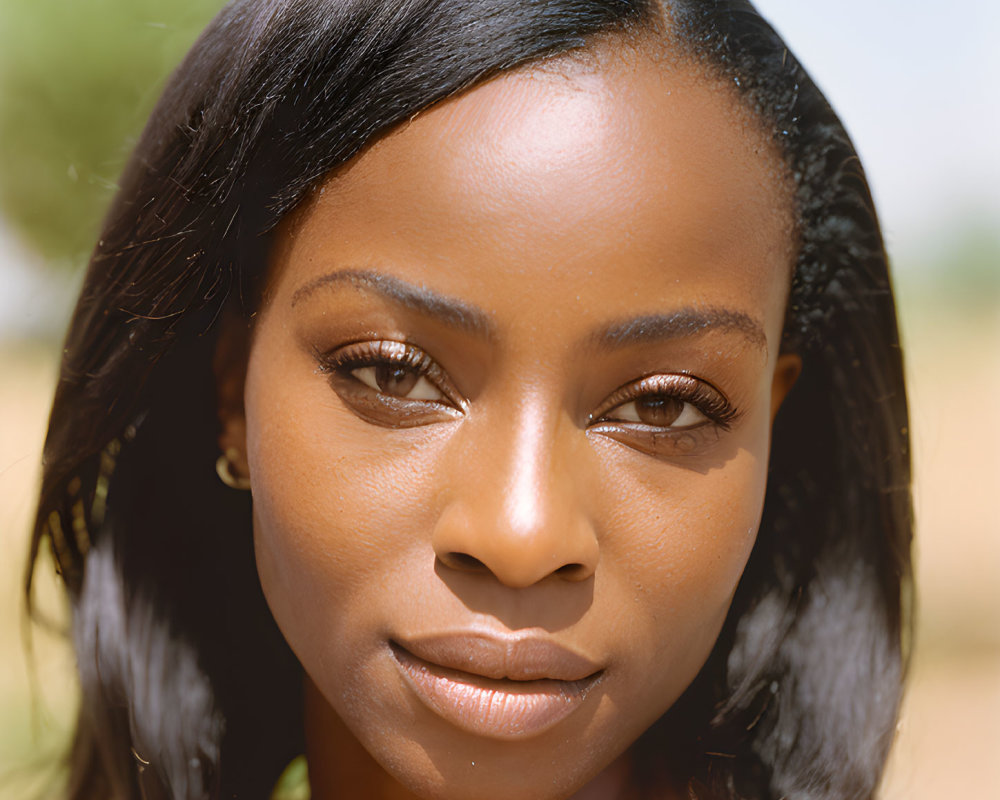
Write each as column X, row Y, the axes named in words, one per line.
column 77, row 80
column 957, row 267
column 973, row 264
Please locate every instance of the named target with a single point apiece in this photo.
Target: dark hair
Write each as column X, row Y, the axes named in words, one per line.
column 180, row 661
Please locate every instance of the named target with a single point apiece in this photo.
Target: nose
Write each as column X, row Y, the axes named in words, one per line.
column 516, row 507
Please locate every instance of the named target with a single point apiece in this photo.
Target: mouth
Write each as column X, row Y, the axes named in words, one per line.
column 496, row 687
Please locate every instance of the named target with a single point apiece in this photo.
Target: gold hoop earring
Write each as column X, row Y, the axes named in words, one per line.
column 224, row 469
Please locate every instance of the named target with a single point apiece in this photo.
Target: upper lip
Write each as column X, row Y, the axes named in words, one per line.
column 514, row 657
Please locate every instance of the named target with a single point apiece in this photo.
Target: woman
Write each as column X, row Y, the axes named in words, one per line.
column 507, row 314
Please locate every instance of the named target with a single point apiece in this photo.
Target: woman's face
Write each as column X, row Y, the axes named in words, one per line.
column 508, row 408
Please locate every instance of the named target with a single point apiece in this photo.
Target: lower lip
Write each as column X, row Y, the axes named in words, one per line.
column 499, row 709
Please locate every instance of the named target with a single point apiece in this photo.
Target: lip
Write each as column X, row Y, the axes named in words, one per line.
column 494, row 686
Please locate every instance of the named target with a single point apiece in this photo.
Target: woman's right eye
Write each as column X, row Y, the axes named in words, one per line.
column 391, row 384
column 398, row 380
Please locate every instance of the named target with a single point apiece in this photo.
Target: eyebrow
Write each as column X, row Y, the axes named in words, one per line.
column 449, row 310
column 680, row 323
column 454, row 312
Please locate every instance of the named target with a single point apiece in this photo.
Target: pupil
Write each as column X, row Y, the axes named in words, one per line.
column 395, row 380
column 659, row 409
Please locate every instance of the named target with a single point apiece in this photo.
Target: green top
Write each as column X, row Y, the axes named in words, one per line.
column 294, row 782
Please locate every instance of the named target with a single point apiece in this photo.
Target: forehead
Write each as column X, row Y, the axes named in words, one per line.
column 617, row 163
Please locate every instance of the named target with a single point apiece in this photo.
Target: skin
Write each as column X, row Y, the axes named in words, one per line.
column 515, row 235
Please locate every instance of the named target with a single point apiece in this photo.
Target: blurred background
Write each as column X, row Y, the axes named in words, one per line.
column 916, row 83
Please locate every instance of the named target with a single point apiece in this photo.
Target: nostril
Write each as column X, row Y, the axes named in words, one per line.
column 572, row 571
column 463, row 562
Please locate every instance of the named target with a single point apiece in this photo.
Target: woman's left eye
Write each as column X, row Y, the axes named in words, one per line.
column 664, row 411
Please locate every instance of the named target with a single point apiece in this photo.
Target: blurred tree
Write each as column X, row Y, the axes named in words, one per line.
column 956, row 265
column 77, row 80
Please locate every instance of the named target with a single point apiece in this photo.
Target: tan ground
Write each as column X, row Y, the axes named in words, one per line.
column 949, row 741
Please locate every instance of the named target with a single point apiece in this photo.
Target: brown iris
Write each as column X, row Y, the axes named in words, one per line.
column 658, row 409
column 395, row 380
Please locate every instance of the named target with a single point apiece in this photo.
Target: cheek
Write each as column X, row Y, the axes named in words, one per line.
column 683, row 539
column 337, row 511
column 343, row 521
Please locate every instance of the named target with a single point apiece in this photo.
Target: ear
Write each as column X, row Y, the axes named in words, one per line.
column 232, row 350
column 786, row 372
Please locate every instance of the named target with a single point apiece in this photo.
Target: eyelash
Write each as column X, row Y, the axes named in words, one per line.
column 376, row 353
column 344, row 360
column 340, row 364
column 700, row 394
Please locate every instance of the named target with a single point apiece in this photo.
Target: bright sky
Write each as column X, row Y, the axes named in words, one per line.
column 916, row 83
